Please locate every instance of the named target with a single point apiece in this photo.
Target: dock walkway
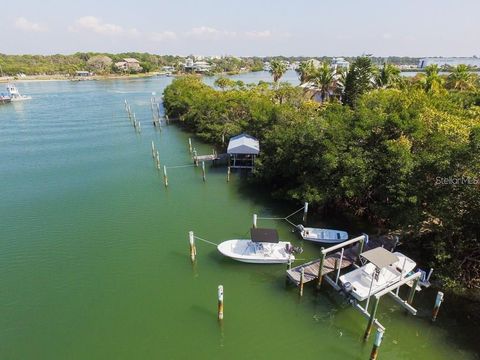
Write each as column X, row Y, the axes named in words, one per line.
column 311, row 268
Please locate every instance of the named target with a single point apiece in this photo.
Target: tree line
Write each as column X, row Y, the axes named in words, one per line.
column 400, row 152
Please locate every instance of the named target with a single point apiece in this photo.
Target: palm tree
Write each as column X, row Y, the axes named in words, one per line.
column 305, row 71
column 277, row 69
column 324, row 80
column 432, row 82
column 388, row 77
column 461, row 78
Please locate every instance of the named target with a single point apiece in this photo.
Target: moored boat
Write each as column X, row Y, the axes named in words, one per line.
column 14, row 94
column 382, row 270
column 322, row 235
column 264, row 247
column 4, row 99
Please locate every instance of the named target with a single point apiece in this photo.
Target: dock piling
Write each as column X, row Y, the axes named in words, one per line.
column 203, row 171
column 228, row 174
column 193, row 249
column 220, row 302
column 254, row 220
column 165, row 178
column 302, row 280
column 153, row 149
column 376, row 344
column 320, row 267
column 438, row 302
column 305, row 211
column 371, row 320
column 190, row 145
column 412, row 291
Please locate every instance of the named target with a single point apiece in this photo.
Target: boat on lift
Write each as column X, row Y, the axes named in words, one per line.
column 264, row 247
column 381, row 270
column 328, row 236
column 14, row 94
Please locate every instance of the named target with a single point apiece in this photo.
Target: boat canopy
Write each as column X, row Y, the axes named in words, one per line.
column 243, row 144
column 380, row 257
column 264, row 235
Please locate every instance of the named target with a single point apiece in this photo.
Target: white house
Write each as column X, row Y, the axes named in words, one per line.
column 129, row 64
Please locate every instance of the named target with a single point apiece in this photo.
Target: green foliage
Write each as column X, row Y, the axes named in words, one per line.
column 277, row 69
column 359, row 80
column 386, row 158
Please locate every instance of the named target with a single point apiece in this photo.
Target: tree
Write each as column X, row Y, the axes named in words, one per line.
column 461, row 78
column 432, row 81
column 100, row 64
column 358, row 80
column 388, row 77
column 324, row 80
column 306, row 71
column 277, row 69
column 223, row 83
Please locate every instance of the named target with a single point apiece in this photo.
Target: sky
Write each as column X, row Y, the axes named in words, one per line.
column 243, row 27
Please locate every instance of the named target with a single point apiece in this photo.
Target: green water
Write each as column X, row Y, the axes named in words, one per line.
column 94, row 258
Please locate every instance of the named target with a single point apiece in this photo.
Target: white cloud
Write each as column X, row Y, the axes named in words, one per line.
column 25, row 25
column 206, row 32
column 259, row 34
column 164, row 35
column 96, row 25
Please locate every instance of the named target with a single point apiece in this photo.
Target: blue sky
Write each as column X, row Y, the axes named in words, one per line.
column 247, row 27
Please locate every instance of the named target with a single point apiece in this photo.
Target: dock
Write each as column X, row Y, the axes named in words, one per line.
column 311, row 268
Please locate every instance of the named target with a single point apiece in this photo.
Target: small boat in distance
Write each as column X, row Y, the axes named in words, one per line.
column 15, row 95
column 264, row 247
column 322, row 235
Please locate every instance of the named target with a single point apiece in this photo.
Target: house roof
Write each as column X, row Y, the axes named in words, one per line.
column 380, row 257
column 131, row 60
column 243, row 144
column 264, row 235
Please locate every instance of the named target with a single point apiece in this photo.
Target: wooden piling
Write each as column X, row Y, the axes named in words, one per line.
column 376, row 344
column 412, row 291
column 190, row 145
column 320, row 268
column 305, row 211
column 195, row 158
column 228, row 173
column 165, row 178
column 438, row 302
column 360, row 247
column 371, row 320
column 193, row 249
column 220, row 302
column 203, row 171
column 254, row 220
column 153, row 149
column 302, row 280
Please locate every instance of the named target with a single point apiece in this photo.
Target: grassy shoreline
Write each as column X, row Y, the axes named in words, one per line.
column 61, row 77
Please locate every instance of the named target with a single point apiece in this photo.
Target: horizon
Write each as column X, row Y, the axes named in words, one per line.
column 218, row 29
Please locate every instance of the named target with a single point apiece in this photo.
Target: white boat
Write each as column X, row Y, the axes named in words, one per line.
column 382, row 270
column 330, row 236
column 263, row 248
column 14, row 94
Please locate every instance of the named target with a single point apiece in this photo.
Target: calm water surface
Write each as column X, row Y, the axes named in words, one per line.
column 94, row 252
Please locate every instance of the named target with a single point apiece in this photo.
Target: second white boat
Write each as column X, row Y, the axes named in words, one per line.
column 328, row 236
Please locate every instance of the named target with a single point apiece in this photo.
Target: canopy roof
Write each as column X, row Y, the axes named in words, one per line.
column 243, row 144
column 380, row 257
column 264, row 235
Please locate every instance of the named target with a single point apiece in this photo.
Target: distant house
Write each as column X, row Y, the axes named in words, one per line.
column 339, row 63
column 129, row 64
column 82, row 73
column 449, row 61
column 196, row 66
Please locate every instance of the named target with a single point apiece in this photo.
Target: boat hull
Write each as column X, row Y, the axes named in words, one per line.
column 324, row 236
column 247, row 251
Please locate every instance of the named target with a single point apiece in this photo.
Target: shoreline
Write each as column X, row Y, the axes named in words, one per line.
column 59, row 77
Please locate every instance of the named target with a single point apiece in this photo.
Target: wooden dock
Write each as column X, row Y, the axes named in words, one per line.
column 311, row 268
